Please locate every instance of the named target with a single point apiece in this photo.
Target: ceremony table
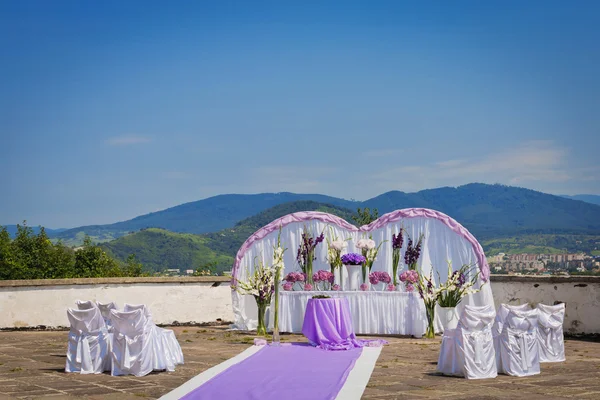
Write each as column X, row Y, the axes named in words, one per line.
column 328, row 324
column 371, row 312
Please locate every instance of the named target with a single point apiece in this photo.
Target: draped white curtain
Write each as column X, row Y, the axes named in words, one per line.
column 440, row 243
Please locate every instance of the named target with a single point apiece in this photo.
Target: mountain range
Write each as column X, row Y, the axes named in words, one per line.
column 486, row 210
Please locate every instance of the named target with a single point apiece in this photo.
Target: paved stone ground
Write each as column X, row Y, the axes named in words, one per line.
column 32, row 366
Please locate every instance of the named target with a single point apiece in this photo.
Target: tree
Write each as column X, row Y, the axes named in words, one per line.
column 92, row 262
column 132, row 267
column 365, row 216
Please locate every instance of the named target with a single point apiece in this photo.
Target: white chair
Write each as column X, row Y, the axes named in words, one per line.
column 501, row 315
column 551, row 339
column 519, row 344
column 88, row 349
column 105, row 311
column 468, row 350
column 85, row 304
column 131, row 345
column 167, row 351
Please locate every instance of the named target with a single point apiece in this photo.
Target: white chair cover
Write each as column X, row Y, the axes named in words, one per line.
column 501, row 315
column 519, row 345
column 131, row 344
column 468, row 350
column 551, row 339
column 166, row 348
column 105, row 311
column 85, row 304
column 88, row 349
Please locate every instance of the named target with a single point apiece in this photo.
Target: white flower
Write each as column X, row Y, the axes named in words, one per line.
column 339, row 245
column 370, row 244
column 278, row 253
column 361, row 244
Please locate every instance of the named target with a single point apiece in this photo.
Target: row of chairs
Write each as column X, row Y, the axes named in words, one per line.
column 128, row 342
column 512, row 341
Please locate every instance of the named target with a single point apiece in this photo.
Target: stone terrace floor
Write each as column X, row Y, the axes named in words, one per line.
column 32, row 366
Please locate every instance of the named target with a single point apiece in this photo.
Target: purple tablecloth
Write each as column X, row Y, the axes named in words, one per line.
column 328, row 324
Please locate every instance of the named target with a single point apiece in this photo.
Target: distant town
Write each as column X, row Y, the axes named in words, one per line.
column 544, row 264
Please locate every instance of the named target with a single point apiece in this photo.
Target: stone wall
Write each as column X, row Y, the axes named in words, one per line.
column 208, row 299
column 182, row 300
column 580, row 293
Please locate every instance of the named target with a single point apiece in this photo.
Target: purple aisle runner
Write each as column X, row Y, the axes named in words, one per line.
column 296, row 372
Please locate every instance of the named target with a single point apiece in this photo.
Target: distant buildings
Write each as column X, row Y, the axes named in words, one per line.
column 540, row 263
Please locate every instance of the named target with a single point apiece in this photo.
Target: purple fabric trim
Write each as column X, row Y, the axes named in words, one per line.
column 296, row 372
column 379, row 223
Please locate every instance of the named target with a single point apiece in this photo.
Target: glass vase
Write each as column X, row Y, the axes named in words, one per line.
column 276, row 340
column 308, row 269
column 261, row 328
column 430, row 311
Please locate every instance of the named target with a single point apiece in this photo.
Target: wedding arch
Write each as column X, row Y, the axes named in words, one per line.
column 444, row 239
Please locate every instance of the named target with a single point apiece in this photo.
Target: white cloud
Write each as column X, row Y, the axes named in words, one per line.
column 540, row 165
column 127, row 140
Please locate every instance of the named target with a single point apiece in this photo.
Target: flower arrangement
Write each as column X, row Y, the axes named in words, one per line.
column 321, row 296
column 391, row 287
column 292, row 278
column 409, row 278
column 353, row 259
column 364, row 287
column 325, row 278
column 413, row 252
column 430, row 293
column 335, row 287
column 369, row 250
column 261, row 285
column 457, row 286
column 278, row 266
column 397, row 242
column 306, row 252
column 377, row 277
column 334, row 252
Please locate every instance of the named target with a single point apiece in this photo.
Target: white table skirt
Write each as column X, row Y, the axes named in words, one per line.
column 388, row 313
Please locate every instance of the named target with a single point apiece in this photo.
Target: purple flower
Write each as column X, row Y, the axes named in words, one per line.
column 353, row 259
column 335, row 287
column 308, row 287
column 412, row 253
column 373, row 278
column 397, row 241
column 288, row 286
column 462, row 279
column 410, row 287
column 391, row 287
column 323, row 276
column 364, row 287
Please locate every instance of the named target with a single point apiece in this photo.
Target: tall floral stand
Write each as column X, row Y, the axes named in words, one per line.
column 353, row 277
column 276, row 341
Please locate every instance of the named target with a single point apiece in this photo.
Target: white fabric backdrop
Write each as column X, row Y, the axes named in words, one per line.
column 440, row 243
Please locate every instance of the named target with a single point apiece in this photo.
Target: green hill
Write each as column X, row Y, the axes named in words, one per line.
column 158, row 249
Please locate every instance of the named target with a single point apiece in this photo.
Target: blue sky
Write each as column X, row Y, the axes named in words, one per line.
column 113, row 109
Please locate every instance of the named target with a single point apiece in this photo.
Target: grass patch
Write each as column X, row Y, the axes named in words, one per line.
column 17, row 369
column 202, row 331
column 188, row 341
column 211, row 338
column 185, row 331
